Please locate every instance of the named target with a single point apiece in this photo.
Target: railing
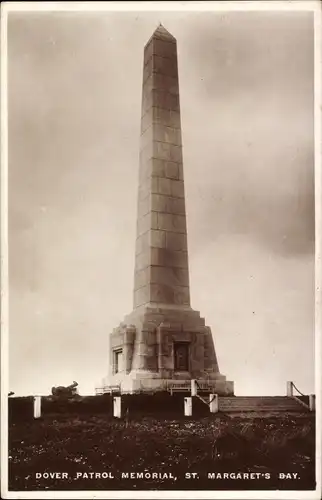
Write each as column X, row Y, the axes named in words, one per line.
column 192, row 387
column 207, row 387
column 203, row 386
column 301, row 393
column 311, row 397
column 178, row 387
column 108, row 389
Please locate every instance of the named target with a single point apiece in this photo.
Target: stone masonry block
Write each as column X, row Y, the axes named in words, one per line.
column 147, row 120
column 147, row 137
column 162, row 116
column 182, row 295
column 170, row 222
column 161, row 47
column 166, row 117
column 178, row 336
column 147, row 152
column 147, row 100
column 117, row 338
column 163, row 168
column 167, row 362
column 170, row 258
column 162, row 151
column 145, row 172
column 166, row 151
column 154, row 185
column 157, row 238
column 144, row 188
column 164, row 48
column 163, row 133
column 176, row 241
column 141, row 296
column 146, row 222
column 180, row 168
column 177, row 189
column 157, row 168
column 148, row 69
column 172, row 170
column 142, row 243
column 161, row 99
column 192, row 327
column 154, row 220
column 144, row 206
column 175, row 153
column 148, row 50
column 143, row 224
column 142, row 278
column 169, row 276
column 174, row 119
column 165, row 66
column 169, row 295
column 148, row 85
column 164, row 186
column 142, row 260
column 168, row 83
column 150, row 337
column 167, row 187
column 167, row 204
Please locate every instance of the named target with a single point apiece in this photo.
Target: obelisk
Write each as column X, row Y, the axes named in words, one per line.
column 163, row 340
column 161, row 265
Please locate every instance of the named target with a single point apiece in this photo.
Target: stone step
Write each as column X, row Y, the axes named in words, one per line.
column 259, row 403
column 254, row 400
column 259, row 408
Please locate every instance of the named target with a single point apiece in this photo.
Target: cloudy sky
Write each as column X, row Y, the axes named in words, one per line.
column 246, row 91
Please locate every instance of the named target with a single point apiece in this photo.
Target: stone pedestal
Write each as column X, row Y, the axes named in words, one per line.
column 149, row 336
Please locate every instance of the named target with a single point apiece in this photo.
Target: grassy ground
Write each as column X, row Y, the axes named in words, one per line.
column 75, row 444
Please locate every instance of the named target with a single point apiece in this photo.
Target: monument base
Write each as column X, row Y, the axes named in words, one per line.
column 159, row 348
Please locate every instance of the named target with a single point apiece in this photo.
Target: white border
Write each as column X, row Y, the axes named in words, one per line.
column 4, row 258
column 318, row 238
column 292, row 5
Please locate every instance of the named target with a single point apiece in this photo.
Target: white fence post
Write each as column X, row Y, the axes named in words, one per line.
column 289, row 389
column 188, row 407
column 37, row 406
column 213, row 403
column 193, row 387
column 312, row 402
column 117, row 407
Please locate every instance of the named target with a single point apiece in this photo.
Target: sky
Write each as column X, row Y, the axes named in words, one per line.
column 74, row 99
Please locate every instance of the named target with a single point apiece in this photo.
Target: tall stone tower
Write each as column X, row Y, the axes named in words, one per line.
column 163, row 340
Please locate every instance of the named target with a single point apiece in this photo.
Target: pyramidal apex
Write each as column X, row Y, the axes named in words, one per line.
column 161, row 34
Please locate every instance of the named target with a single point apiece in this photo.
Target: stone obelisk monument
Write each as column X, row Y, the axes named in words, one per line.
column 163, row 340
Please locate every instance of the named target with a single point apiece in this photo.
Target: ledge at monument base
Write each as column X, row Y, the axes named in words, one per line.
column 145, row 381
column 132, row 385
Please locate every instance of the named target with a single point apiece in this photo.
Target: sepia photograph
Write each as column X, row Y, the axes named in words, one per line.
column 160, row 250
